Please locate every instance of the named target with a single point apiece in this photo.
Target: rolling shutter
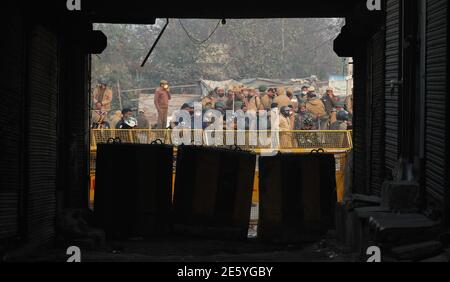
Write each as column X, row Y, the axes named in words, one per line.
column 436, row 92
column 11, row 113
column 392, row 73
column 41, row 136
column 360, row 120
column 377, row 119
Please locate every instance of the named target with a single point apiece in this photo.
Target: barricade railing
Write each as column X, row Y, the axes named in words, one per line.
column 255, row 140
column 338, row 143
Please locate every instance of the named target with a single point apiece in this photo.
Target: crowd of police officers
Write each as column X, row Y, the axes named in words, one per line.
column 298, row 110
column 302, row 110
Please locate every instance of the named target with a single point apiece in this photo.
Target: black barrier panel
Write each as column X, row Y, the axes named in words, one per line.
column 213, row 192
column 133, row 189
column 297, row 197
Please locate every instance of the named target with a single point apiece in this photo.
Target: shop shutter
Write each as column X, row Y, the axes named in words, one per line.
column 11, row 117
column 392, row 73
column 436, row 99
column 360, row 127
column 41, row 136
column 377, row 118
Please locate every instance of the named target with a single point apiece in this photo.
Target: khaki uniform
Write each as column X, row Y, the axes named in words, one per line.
column 333, row 117
column 316, row 107
column 104, row 97
column 162, row 117
column 255, row 104
column 267, row 102
column 99, row 119
column 162, row 98
column 286, row 141
column 282, row 101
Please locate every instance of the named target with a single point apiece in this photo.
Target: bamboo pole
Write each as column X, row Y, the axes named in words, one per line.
column 119, row 95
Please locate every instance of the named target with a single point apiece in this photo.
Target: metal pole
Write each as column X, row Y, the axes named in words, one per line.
column 119, row 95
column 156, row 42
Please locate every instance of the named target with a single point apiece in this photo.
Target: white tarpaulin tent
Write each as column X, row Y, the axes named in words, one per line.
column 209, row 85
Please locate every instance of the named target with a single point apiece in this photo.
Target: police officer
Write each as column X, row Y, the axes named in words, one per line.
column 302, row 115
column 317, row 108
column 103, row 94
column 162, row 98
column 341, row 122
column 209, row 100
column 268, row 98
column 221, row 95
column 285, row 127
column 329, row 100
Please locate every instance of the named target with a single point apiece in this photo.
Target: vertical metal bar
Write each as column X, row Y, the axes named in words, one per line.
column 119, row 95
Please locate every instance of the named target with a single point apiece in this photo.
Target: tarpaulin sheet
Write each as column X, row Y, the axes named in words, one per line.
column 296, row 84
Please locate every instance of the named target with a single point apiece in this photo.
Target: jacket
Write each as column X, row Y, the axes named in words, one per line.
column 162, row 98
column 282, row 101
column 104, row 97
column 285, row 123
column 266, row 102
column 316, row 107
column 254, row 104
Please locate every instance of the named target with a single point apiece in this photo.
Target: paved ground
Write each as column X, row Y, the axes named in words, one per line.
column 183, row 249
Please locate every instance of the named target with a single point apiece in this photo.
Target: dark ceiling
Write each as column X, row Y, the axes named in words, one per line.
column 145, row 11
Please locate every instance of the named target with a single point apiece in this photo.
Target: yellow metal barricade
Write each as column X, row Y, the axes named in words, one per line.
column 338, row 143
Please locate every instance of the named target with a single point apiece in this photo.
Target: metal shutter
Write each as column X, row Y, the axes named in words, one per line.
column 11, row 91
column 360, row 126
column 42, row 136
column 436, row 92
column 377, row 118
column 392, row 72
